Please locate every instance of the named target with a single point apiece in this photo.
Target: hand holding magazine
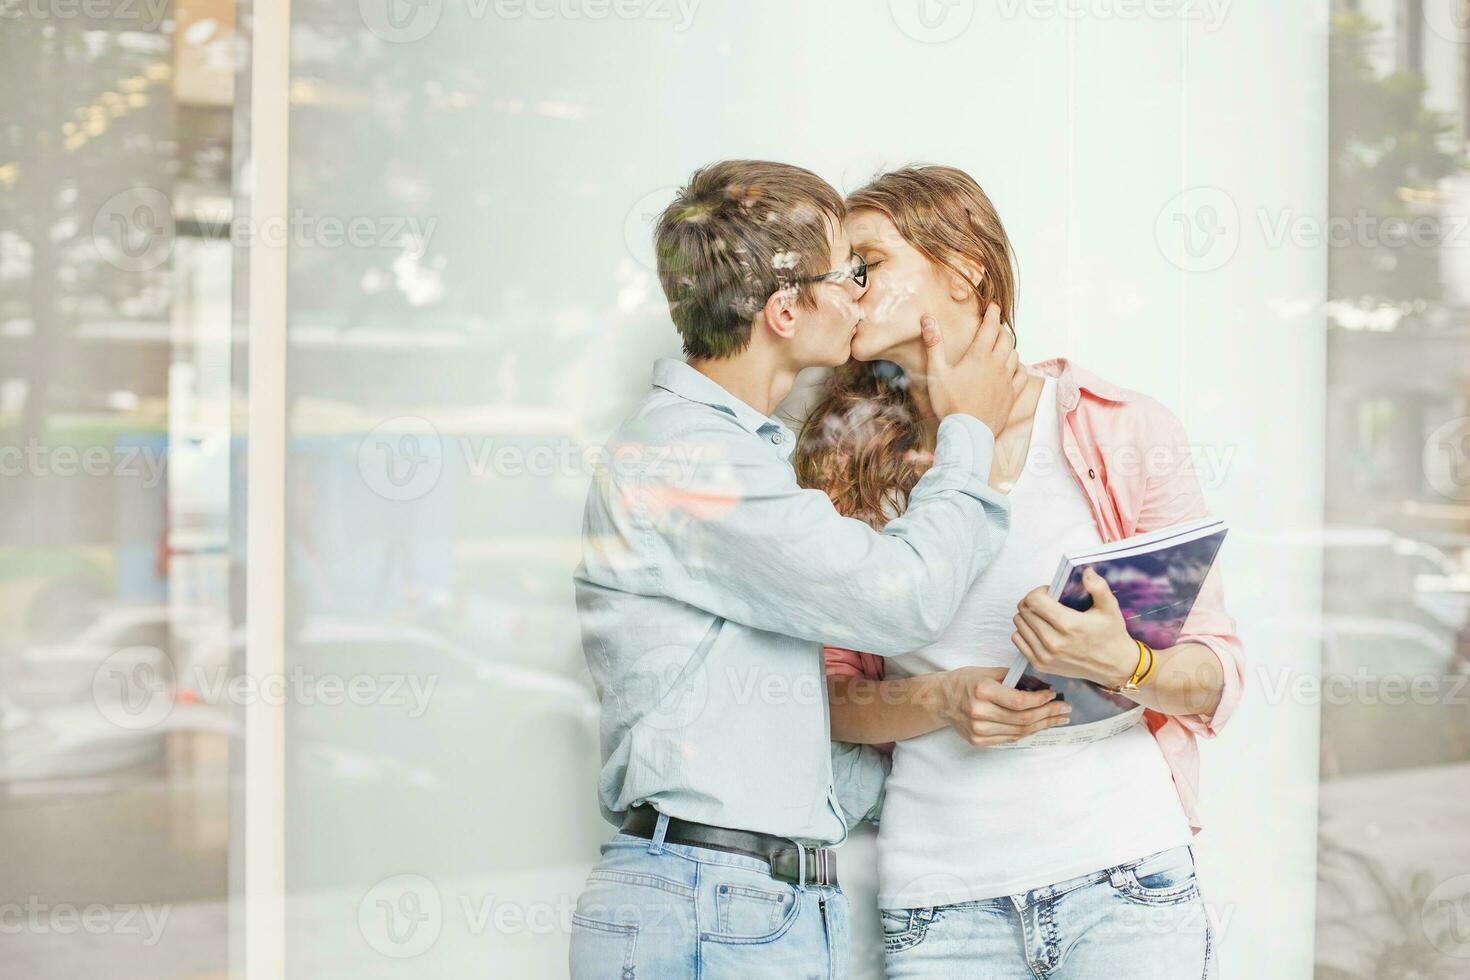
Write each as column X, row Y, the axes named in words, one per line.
column 1156, row 578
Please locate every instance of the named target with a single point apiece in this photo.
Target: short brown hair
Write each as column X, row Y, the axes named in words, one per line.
column 739, row 231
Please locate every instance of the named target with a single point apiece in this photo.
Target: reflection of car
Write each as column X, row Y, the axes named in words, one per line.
column 440, row 754
column 1391, row 575
column 66, row 707
column 1393, row 695
column 186, row 640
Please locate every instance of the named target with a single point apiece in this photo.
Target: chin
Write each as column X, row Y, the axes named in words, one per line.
column 865, row 350
column 870, row 348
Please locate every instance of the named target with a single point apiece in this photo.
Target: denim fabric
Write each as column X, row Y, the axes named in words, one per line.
column 1143, row 920
column 674, row 912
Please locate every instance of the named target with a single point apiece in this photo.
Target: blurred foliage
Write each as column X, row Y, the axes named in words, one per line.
column 1383, row 925
column 1387, row 153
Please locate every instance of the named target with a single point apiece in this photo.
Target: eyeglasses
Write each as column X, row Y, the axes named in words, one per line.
column 857, row 271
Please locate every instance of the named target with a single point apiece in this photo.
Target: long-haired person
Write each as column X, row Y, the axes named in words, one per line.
column 1050, row 861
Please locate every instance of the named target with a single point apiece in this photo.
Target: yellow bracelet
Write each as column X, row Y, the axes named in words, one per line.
column 1152, row 659
column 1141, row 672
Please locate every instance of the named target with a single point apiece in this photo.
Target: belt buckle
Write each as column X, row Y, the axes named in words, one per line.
column 820, row 864
column 824, row 864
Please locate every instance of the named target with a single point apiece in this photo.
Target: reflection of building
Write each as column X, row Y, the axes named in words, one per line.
column 1399, row 373
column 1431, row 38
column 1393, row 399
column 1397, row 495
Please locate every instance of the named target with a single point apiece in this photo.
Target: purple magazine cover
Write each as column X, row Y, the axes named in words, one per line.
column 1156, row 590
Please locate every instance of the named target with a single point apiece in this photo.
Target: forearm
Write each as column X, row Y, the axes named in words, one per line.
column 871, row 712
column 1187, row 680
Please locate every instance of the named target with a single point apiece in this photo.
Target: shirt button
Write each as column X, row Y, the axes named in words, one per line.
column 776, row 438
column 1091, row 474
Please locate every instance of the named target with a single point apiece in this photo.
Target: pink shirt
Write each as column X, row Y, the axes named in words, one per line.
column 1132, row 458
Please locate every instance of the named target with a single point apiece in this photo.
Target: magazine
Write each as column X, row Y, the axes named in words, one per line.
column 1156, row 578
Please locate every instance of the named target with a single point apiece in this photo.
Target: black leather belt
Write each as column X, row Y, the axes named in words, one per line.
column 781, row 854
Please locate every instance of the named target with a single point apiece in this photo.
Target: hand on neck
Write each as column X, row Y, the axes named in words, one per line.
column 960, row 327
column 910, row 357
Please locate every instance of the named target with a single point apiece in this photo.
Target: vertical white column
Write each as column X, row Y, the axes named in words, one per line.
column 265, row 774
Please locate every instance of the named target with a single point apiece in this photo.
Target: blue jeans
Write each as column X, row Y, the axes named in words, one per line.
column 658, row 911
column 1143, row 920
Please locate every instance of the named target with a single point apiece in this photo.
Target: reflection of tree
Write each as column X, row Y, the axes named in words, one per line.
column 88, row 114
column 1387, row 152
column 1386, row 921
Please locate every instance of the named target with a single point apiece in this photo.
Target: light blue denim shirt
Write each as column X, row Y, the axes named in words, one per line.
column 710, row 579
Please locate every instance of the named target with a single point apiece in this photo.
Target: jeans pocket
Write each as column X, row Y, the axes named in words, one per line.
column 1165, row 878
column 745, row 913
column 904, row 928
column 601, row 949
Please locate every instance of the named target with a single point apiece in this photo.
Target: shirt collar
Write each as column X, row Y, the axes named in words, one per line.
column 1073, row 381
column 677, row 377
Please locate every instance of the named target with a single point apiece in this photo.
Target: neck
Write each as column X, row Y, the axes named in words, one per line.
column 911, row 358
column 752, row 376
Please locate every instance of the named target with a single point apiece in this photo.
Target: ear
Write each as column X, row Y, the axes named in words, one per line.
column 779, row 313
column 967, row 286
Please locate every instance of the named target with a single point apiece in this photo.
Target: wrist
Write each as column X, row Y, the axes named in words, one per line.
column 936, row 694
column 1127, row 663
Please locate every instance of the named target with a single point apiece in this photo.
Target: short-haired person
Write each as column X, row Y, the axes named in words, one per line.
column 710, row 579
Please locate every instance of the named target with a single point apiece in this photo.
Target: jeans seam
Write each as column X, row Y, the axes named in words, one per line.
column 698, row 929
column 913, row 934
column 1020, row 912
column 644, row 879
column 1163, row 898
column 1052, row 950
column 781, row 930
column 628, row 931
column 1209, row 945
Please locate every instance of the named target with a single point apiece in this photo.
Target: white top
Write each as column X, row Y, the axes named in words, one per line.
column 962, row 823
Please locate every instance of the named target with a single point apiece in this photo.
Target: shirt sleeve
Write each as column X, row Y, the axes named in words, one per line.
column 1174, row 496
column 859, row 777
column 716, row 519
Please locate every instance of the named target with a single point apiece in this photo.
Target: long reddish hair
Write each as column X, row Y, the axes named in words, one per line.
column 864, row 443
